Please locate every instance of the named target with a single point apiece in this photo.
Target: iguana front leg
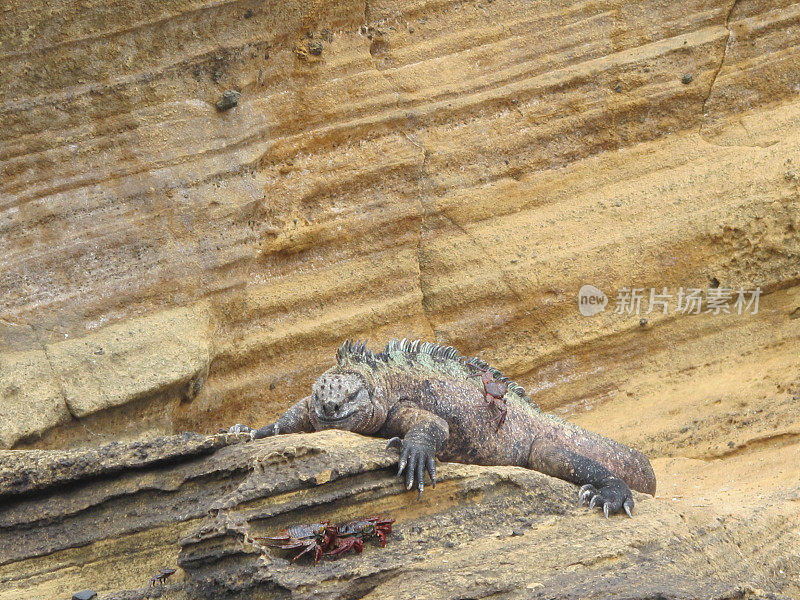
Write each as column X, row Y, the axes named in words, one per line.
column 600, row 487
column 423, row 436
column 294, row 420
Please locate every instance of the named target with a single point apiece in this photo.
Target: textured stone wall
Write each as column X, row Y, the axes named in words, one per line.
column 447, row 170
column 200, row 504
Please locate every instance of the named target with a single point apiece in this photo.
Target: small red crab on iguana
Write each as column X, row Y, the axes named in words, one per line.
column 421, row 396
column 495, row 394
column 314, row 537
column 351, row 535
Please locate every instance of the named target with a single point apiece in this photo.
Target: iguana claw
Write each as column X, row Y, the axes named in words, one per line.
column 585, row 493
column 395, row 442
column 415, row 459
column 255, row 434
column 612, row 497
column 628, row 506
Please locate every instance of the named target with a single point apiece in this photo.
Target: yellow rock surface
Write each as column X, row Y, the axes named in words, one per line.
column 200, row 504
column 123, row 362
column 454, row 171
column 32, row 402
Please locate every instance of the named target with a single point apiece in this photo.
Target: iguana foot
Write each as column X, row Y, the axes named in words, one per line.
column 415, row 459
column 612, row 497
column 255, row 434
column 239, row 428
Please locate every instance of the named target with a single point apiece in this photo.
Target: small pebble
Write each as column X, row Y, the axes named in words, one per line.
column 229, row 100
column 248, row 14
column 642, row 322
column 517, row 532
column 315, row 47
column 84, row 595
column 449, row 544
column 687, row 78
column 731, row 444
column 618, row 88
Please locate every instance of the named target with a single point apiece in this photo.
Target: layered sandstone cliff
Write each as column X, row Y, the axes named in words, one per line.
column 77, row 521
column 450, row 170
column 454, row 171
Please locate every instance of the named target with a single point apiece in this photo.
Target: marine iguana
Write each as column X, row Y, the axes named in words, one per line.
column 426, row 398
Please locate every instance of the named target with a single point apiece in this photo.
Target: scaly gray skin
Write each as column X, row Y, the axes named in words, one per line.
column 426, row 399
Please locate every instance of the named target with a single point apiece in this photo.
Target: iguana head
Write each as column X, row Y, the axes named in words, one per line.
column 343, row 401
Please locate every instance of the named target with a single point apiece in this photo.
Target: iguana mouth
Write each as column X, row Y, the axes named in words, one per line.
column 326, row 420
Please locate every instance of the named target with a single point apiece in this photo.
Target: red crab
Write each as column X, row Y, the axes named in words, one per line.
column 314, row 537
column 352, row 535
column 494, row 390
column 161, row 577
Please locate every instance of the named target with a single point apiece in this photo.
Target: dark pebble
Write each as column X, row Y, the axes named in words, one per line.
column 642, row 322
column 315, row 47
column 449, row 544
column 229, row 100
column 517, row 532
column 84, row 595
column 687, row 78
